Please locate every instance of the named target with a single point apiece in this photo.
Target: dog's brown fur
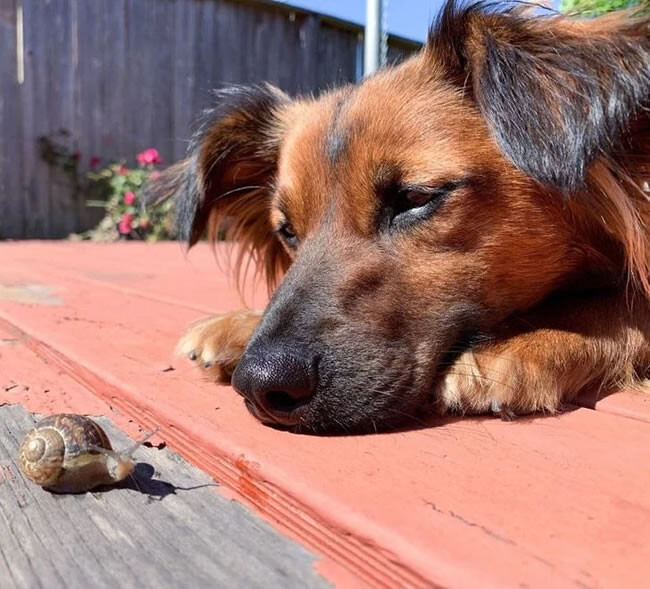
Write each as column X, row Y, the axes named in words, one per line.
column 527, row 285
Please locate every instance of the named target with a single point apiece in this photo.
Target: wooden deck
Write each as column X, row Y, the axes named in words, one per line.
column 548, row 501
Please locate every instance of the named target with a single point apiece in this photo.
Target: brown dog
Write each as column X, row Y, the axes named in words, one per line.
column 464, row 232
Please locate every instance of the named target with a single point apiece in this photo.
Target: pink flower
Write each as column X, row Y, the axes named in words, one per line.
column 154, row 175
column 95, row 161
column 129, row 198
column 126, row 224
column 149, row 157
column 122, row 171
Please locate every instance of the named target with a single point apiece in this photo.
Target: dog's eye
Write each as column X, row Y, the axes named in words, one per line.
column 413, row 204
column 286, row 232
column 415, row 198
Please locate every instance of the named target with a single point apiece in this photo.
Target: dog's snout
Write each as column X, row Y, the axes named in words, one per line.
column 277, row 381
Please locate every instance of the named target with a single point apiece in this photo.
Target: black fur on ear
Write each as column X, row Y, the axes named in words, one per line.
column 233, row 152
column 224, row 185
column 557, row 93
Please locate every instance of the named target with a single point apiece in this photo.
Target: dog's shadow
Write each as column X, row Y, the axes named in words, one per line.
column 433, row 422
column 437, row 421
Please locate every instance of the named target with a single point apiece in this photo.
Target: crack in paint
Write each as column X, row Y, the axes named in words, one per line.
column 471, row 524
column 481, row 527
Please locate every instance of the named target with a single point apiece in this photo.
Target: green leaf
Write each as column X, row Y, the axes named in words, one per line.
column 596, row 7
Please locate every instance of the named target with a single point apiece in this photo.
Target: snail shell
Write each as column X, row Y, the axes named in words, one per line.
column 69, row 453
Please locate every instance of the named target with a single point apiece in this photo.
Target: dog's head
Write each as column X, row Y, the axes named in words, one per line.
column 408, row 213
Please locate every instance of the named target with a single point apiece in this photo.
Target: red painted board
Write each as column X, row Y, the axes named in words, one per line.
column 631, row 404
column 27, row 379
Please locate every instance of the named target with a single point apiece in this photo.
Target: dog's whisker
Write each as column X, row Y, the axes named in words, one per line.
column 408, row 415
column 341, row 425
column 480, row 368
column 482, row 352
column 240, row 189
column 481, row 377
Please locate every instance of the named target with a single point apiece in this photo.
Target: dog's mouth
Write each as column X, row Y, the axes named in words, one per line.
column 324, row 420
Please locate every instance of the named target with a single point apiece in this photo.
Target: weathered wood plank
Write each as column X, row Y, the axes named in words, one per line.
column 89, row 85
column 204, row 55
column 115, row 137
column 140, row 76
column 34, row 95
column 228, row 36
column 185, row 22
column 12, row 214
column 62, row 72
column 307, row 63
column 159, row 60
column 283, row 28
column 8, row 11
column 167, row 527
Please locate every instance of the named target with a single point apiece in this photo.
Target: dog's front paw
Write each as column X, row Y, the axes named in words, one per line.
column 217, row 343
column 502, row 380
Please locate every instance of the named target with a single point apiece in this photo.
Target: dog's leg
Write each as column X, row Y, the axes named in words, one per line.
column 217, row 343
column 551, row 355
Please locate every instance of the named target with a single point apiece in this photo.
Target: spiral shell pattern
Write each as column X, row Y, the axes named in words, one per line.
column 56, row 443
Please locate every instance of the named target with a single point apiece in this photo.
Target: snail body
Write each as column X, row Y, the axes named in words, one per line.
column 69, row 453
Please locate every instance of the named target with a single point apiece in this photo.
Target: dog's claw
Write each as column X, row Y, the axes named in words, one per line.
column 501, row 409
column 192, row 355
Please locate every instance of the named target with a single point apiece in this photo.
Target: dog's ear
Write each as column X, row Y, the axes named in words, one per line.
column 223, row 187
column 556, row 92
column 233, row 154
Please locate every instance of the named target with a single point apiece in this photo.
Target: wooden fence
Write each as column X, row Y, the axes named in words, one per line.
column 124, row 75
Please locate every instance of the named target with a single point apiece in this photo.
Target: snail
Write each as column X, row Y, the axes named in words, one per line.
column 69, row 453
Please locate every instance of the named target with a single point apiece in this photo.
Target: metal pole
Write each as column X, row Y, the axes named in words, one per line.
column 372, row 37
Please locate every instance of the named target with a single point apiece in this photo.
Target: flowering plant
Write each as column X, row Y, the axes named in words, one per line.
column 117, row 189
column 126, row 217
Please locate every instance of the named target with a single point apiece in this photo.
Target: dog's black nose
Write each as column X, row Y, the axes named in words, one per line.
column 277, row 380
